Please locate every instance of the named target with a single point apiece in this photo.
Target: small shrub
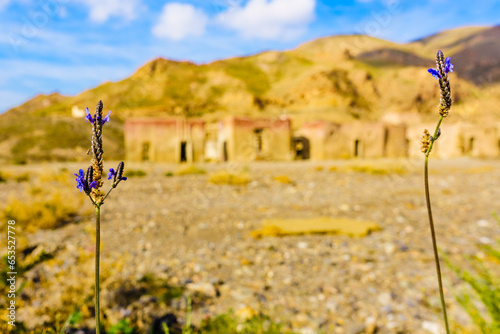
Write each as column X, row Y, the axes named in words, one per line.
column 135, row 172
column 75, row 318
column 382, row 170
column 229, row 323
column 19, row 161
column 190, row 170
column 22, row 177
column 122, row 327
column 225, row 177
column 169, row 174
column 45, row 204
column 282, row 179
column 3, row 177
column 486, row 285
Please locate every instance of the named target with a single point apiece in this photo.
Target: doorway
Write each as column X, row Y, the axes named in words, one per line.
column 146, row 146
column 358, row 149
column 183, row 151
column 301, row 147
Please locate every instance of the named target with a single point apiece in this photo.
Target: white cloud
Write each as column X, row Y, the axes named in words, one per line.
column 3, row 4
column 179, row 20
column 102, row 10
column 274, row 19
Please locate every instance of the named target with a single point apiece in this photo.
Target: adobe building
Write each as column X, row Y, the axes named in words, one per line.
column 172, row 140
column 245, row 139
column 314, row 139
column 327, row 140
column 458, row 139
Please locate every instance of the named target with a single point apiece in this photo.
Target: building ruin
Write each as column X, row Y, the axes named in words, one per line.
column 173, row 140
column 248, row 139
column 327, row 140
column 244, row 139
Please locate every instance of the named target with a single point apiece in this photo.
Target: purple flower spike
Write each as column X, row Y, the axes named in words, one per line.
column 111, row 173
column 434, row 73
column 82, row 184
column 80, row 180
column 106, row 119
column 89, row 117
column 448, row 66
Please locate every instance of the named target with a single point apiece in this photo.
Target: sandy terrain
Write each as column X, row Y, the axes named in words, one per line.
column 189, row 231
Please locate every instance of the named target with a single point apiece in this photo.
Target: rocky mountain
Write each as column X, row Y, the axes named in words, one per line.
column 339, row 78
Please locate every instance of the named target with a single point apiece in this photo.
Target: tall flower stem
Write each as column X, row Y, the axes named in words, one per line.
column 97, row 258
column 431, row 223
column 91, row 182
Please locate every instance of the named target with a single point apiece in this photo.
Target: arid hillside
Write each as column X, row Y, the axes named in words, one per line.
column 339, row 78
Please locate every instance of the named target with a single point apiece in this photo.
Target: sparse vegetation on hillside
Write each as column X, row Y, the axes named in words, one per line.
column 335, row 78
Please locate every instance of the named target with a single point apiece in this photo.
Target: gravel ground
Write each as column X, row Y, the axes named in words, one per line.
column 197, row 233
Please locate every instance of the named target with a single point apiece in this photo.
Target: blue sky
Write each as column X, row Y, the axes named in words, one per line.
column 72, row 45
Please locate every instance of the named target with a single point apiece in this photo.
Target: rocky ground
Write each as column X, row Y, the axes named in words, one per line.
column 197, row 235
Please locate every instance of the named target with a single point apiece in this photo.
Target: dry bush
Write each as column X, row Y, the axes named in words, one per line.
column 283, row 179
column 190, row 170
column 225, row 177
column 50, row 201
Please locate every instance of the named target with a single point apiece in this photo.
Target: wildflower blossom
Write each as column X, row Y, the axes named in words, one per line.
column 89, row 117
column 435, row 73
column 112, row 175
column 443, row 67
column 106, row 119
column 449, row 66
column 80, row 180
column 83, row 182
column 98, row 117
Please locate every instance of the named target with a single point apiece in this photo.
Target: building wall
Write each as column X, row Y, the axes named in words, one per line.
column 396, row 143
column 324, row 139
column 479, row 142
column 162, row 140
column 249, row 139
column 354, row 140
column 458, row 139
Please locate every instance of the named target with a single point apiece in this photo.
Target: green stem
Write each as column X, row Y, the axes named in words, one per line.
column 92, row 200
column 433, row 234
column 107, row 194
column 97, row 258
column 434, row 136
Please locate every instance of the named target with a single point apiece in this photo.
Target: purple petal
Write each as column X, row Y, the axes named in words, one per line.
column 80, row 180
column 89, row 117
column 449, row 66
column 434, row 73
column 93, row 185
column 111, row 173
column 106, row 119
column 124, row 178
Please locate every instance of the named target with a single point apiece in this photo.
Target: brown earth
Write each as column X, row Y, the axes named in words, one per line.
column 197, row 234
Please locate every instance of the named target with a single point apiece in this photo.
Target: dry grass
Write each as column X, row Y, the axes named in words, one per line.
column 372, row 169
column 283, row 179
column 320, row 225
column 224, row 177
column 190, row 170
column 49, row 201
